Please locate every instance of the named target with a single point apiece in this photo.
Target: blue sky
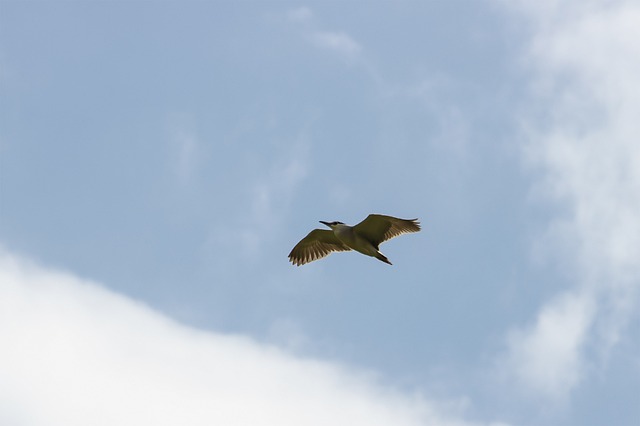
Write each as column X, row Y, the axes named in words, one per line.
column 158, row 161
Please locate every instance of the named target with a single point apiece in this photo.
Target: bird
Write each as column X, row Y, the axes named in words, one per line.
column 364, row 237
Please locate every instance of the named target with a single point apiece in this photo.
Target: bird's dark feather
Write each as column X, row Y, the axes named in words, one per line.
column 316, row 245
column 379, row 228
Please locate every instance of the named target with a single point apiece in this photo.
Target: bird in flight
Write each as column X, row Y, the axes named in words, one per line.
column 364, row 237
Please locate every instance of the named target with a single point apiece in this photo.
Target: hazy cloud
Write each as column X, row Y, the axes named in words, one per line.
column 547, row 357
column 583, row 136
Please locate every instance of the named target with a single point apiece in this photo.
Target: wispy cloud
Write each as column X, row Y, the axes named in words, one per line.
column 300, row 14
column 584, row 137
column 75, row 353
column 339, row 42
column 266, row 200
column 185, row 146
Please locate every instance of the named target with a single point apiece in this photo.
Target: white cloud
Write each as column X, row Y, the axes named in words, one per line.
column 584, row 140
column 74, row 353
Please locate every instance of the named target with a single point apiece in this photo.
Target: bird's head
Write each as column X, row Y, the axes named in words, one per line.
column 332, row 225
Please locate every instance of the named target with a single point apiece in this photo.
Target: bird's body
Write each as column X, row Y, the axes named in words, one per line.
column 353, row 240
column 364, row 237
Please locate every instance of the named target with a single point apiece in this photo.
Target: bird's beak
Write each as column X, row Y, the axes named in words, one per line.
column 325, row 223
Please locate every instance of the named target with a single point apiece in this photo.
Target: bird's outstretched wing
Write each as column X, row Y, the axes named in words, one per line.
column 379, row 228
column 318, row 244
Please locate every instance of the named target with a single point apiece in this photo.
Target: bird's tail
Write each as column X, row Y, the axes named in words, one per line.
column 383, row 258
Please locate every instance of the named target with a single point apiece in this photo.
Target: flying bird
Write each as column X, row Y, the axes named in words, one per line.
column 364, row 237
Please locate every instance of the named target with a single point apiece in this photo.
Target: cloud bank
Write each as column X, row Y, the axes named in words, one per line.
column 75, row 353
column 583, row 139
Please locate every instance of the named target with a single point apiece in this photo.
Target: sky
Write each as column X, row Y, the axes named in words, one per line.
column 159, row 160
